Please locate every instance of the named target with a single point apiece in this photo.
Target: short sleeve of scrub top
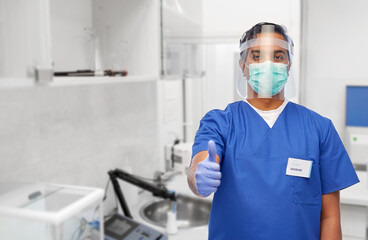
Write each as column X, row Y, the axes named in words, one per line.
column 213, row 126
column 337, row 172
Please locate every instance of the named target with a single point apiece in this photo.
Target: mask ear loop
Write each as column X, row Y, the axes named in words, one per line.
column 246, row 65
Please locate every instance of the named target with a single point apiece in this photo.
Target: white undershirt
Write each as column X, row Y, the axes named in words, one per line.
column 270, row 116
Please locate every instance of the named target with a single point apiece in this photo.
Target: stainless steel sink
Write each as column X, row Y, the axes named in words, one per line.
column 190, row 212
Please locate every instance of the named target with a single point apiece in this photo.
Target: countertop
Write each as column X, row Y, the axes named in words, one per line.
column 356, row 194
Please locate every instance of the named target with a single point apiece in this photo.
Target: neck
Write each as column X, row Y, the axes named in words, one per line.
column 266, row 104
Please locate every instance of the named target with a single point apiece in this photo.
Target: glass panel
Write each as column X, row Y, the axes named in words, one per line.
column 182, row 50
column 45, row 198
column 183, row 58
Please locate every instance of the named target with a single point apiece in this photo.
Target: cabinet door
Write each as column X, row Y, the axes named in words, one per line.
column 24, row 37
column 353, row 222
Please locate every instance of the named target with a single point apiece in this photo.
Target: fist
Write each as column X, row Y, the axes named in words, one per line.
column 208, row 175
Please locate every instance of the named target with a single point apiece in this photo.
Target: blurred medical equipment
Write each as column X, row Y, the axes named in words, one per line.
column 178, row 156
column 124, row 227
column 43, row 75
column 119, row 227
column 49, row 212
column 357, row 125
column 266, row 64
column 171, row 226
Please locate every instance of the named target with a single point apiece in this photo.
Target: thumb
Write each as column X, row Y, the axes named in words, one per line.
column 212, row 151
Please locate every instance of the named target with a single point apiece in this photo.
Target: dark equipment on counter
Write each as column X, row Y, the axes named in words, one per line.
column 90, row 73
column 158, row 191
column 120, row 227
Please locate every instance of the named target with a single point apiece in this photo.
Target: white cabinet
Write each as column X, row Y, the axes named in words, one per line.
column 24, row 38
column 106, row 35
column 353, row 221
column 354, row 205
column 68, row 35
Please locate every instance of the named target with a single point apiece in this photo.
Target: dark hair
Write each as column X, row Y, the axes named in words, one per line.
column 258, row 28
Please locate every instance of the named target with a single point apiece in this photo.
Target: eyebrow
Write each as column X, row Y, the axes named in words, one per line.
column 276, row 51
column 279, row 51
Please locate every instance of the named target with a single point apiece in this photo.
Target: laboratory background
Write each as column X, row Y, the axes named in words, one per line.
column 100, row 101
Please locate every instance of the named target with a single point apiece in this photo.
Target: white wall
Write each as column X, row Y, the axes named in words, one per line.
column 334, row 54
column 74, row 134
column 219, row 81
column 232, row 18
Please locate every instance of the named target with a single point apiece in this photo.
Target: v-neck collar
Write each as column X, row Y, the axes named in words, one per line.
column 259, row 116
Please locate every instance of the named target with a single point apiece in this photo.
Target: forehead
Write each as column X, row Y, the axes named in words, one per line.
column 270, row 35
column 267, row 47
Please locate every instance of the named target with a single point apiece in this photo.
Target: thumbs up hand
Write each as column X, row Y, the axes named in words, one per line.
column 208, row 175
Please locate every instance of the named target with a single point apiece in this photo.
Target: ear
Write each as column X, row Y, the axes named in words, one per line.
column 288, row 68
column 241, row 64
column 243, row 68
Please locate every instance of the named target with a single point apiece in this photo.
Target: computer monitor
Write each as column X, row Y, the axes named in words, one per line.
column 357, row 106
column 357, row 125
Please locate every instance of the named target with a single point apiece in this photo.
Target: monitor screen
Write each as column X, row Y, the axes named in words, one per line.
column 357, row 106
column 119, row 227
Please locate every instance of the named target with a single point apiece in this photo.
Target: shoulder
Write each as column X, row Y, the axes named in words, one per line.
column 321, row 123
column 224, row 113
column 306, row 112
column 222, row 118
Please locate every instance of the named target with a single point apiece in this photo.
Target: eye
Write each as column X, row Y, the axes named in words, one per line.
column 255, row 57
column 279, row 57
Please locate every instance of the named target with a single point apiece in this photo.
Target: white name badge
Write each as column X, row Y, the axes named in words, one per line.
column 299, row 167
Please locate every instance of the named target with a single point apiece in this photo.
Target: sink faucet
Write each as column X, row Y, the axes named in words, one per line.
column 163, row 177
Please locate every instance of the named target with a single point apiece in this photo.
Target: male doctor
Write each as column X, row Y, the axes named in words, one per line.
column 276, row 167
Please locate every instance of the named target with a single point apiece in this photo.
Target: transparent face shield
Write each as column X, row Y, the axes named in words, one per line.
column 265, row 67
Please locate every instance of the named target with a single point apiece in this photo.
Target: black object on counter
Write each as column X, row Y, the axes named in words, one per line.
column 90, row 73
column 158, row 191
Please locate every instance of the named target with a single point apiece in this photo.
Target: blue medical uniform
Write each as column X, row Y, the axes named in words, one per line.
column 256, row 199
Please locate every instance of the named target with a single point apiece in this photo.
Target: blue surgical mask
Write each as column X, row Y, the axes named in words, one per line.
column 267, row 78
